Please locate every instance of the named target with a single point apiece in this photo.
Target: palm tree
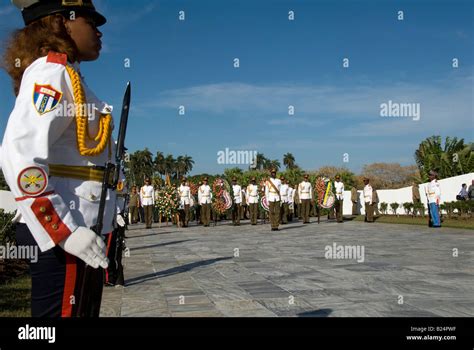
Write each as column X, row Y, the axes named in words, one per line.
column 289, row 161
column 456, row 158
column 272, row 164
column 141, row 165
column 189, row 163
column 169, row 165
column 160, row 163
column 260, row 161
column 180, row 166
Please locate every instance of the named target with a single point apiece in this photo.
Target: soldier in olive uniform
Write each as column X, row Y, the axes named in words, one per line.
column 355, row 201
column 415, row 192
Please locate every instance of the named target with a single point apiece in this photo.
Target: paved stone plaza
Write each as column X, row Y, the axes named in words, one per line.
column 251, row 271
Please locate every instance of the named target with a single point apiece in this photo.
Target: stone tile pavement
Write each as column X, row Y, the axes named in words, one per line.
column 250, row 271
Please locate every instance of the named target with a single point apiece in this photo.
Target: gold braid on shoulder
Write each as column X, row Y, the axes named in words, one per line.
column 82, row 125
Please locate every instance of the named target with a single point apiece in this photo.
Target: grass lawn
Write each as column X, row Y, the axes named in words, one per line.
column 403, row 219
column 15, row 297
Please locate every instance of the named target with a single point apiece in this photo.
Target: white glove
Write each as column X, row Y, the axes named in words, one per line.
column 120, row 220
column 87, row 246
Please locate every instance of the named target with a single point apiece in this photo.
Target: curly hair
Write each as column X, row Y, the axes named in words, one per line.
column 34, row 41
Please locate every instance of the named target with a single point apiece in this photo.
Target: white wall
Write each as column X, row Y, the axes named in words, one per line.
column 450, row 187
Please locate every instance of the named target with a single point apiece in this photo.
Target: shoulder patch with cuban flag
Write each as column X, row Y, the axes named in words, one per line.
column 45, row 98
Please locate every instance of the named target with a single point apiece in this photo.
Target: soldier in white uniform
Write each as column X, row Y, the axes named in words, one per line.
column 368, row 200
column 252, row 200
column 184, row 192
column 305, row 194
column 433, row 193
column 272, row 193
column 147, row 199
column 53, row 154
column 339, row 198
column 237, row 201
column 205, row 200
column 284, row 200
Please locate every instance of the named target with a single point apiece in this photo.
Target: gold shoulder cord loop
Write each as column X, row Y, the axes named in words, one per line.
column 105, row 123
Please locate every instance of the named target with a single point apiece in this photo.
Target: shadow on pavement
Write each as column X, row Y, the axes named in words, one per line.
column 173, row 271
column 151, row 234
column 316, row 313
column 160, row 244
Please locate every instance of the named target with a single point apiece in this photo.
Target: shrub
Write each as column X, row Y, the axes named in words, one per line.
column 419, row 207
column 383, row 208
column 408, row 206
column 394, row 207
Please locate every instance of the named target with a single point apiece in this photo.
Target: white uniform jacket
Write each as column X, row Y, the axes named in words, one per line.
column 40, row 150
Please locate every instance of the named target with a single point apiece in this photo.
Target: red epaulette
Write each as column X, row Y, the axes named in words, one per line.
column 56, row 57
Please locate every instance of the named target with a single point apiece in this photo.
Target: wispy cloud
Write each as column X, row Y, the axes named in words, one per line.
column 356, row 107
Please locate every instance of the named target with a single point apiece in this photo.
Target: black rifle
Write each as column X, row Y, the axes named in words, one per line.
column 93, row 279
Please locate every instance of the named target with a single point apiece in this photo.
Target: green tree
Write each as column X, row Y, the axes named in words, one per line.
column 140, row 165
column 159, row 163
column 188, row 163
column 294, row 176
column 347, row 176
column 260, row 161
column 272, row 164
column 289, row 161
column 169, row 165
column 452, row 159
column 234, row 172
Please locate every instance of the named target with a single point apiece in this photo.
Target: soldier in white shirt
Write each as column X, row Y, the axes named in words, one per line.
column 368, row 200
column 272, row 193
column 147, row 198
column 433, row 193
column 205, row 200
column 305, row 193
column 53, row 157
column 237, row 201
column 184, row 192
column 252, row 200
column 284, row 200
column 339, row 198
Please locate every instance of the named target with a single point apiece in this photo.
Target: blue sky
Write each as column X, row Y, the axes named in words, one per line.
column 282, row 63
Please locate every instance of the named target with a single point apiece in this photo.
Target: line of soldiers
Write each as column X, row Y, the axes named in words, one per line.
column 285, row 201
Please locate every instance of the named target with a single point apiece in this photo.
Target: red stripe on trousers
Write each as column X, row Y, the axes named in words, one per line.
column 109, row 241
column 69, row 285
